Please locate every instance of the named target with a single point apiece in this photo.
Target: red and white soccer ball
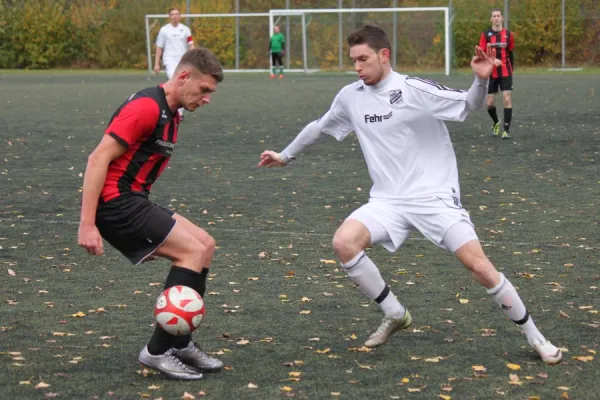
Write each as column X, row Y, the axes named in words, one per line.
column 179, row 310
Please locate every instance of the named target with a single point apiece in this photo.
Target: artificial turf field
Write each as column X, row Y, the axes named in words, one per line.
column 280, row 313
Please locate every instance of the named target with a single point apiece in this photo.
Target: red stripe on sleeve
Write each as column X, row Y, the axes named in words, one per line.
column 190, row 39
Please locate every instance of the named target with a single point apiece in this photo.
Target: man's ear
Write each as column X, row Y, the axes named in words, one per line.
column 385, row 54
column 183, row 76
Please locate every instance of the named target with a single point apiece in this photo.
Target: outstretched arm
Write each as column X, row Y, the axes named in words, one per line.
column 310, row 135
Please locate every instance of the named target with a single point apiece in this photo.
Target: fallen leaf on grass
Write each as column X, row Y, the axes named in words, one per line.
column 243, row 341
column 364, row 366
column 583, row 358
column 11, row 272
column 564, row 314
column 252, row 386
column 416, row 389
column 362, row 349
column 324, row 351
column 445, row 397
column 479, row 368
column 513, row 379
column 42, row 385
column 188, row 396
column 328, row 261
column 463, row 300
column 79, row 314
column 514, row 367
column 286, row 388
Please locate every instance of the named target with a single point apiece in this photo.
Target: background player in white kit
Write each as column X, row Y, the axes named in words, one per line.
column 173, row 40
column 399, row 123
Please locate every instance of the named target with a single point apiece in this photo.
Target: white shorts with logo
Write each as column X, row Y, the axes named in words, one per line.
column 390, row 222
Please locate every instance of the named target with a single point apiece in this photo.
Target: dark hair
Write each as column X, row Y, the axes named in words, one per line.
column 371, row 35
column 204, row 61
column 173, row 9
column 495, row 10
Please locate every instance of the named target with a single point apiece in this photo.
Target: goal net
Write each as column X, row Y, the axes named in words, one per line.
column 316, row 38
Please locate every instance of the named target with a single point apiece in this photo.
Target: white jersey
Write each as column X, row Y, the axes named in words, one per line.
column 174, row 40
column 399, row 124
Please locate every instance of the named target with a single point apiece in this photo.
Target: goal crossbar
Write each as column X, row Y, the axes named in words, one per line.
column 302, row 13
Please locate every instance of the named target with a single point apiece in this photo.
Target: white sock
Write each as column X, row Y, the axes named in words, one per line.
column 508, row 299
column 363, row 272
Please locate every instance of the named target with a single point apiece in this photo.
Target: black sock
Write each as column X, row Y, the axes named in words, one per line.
column 493, row 114
column 507, row 118
column 161, row 340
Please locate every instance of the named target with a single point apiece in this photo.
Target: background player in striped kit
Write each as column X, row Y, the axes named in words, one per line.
column 503, row 43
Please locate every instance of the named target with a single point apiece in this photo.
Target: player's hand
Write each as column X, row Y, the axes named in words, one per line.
column 156, row 69
column 89, row 238
column 484, row 62
column 270, row 159
column 498, row 63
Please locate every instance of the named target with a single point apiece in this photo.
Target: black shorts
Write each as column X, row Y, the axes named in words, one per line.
column 134, row 225
column 277, row 59
column 505, row 84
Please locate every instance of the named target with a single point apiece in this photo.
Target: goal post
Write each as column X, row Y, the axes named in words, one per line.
column 424, row 30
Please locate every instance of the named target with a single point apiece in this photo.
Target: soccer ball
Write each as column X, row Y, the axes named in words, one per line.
column 179, row 310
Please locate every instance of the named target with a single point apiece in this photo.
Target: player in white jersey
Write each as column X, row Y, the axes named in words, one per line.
column 173, row 40
column 399, row 123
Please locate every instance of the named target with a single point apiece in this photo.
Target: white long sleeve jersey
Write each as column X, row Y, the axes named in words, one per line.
column 399, row 124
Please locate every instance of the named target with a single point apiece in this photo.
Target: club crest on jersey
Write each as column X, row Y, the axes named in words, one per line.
column 395, row 96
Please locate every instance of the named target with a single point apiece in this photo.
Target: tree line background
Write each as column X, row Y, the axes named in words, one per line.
column 111, row 34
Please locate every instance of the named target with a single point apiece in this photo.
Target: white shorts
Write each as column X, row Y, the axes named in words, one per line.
column 170, row 66
column 391, row 222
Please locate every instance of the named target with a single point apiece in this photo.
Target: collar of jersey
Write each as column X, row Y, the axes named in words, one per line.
column 381, row 85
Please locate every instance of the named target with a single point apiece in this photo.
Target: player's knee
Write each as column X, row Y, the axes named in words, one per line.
column 209, row 244
column 345, row 247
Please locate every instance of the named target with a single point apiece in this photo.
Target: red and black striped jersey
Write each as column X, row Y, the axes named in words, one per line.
column 147, row 128
column 503, row 42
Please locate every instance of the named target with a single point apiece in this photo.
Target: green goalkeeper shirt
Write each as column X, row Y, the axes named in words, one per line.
column 277, row 43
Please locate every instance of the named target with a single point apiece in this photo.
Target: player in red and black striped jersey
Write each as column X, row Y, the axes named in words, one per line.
column 134, row 151
column 503, row 41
